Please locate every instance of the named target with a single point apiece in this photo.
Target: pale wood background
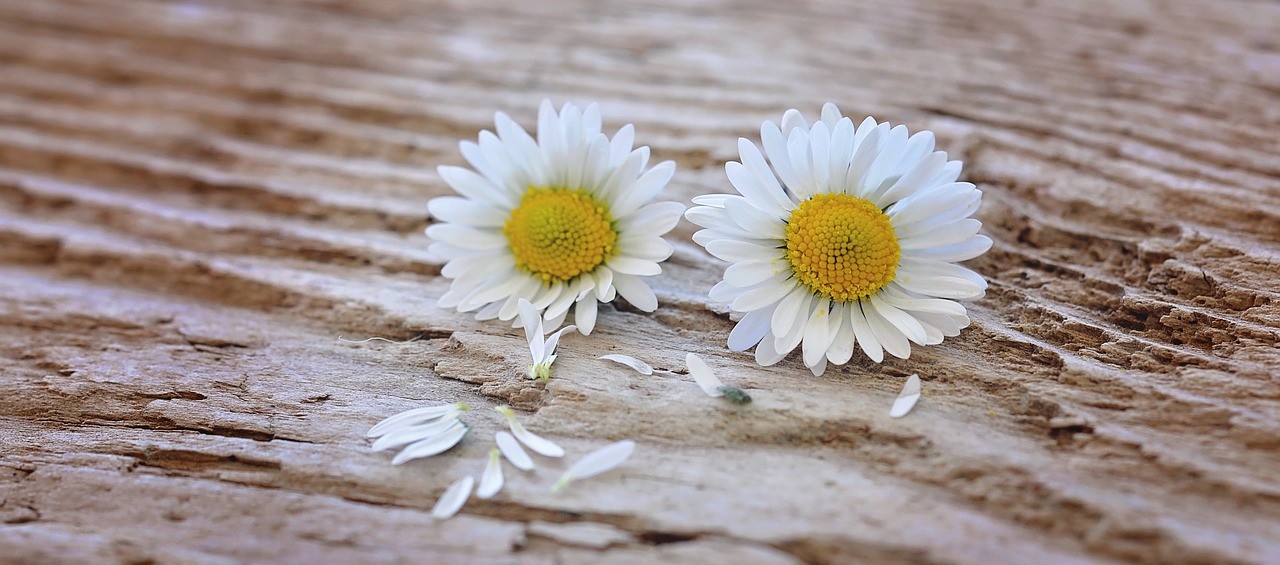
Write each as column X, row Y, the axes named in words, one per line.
column 197, row 198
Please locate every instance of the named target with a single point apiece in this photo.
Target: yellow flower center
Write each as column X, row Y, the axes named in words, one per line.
column 841, row 247
column 557, row 233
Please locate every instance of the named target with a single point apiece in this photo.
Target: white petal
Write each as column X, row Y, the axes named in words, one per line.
column 962, row 251
column 865, row 337
column 734, row 251
column 604, row 282
column 468, row 212
column 750, row 329
column 830, row 114
column 453, row 498
column 645, row 247
column 554, row 340
column 903, row 321
column 511, row 449
column 765, row 295
column 635, row 291
column 597, row 462
column 409, row 417
column 474, row 186
column 841, row 349
column 491, row 480
column 766, row 353
column 538, row 444
column 701, row 373
column 712, row 200
column 654, row 219
column 406, row 435
column 817, row 334
column 646, row 187
column 945, row 234
column 890, row 337
column 774, row 142
column 532, row 322
column 467, row 237
column 907, row 398
column 584, row 314
column 622, row 264
column 745, row 274
column 433, row 445
column 640, row 366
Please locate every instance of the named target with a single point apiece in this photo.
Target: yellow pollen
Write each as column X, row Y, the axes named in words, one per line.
column 841, row 247
column 558, row 233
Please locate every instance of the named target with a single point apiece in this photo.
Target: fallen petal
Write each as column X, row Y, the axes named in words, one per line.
column 907, row 398
column 491, row 480
column 433, row 445
column 453, row 498
column 511, row 449
column 406, row 435
column 537, row 443
column 553, row 341
column 701, row 373
column 415, row 416
column 597, row 462
column 640, row 366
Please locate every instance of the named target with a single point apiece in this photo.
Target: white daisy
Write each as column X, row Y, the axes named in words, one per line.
column 856, row 245
column 604, row 459
column 564, row 220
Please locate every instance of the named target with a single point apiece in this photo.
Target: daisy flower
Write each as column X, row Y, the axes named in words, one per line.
column 857, row 244
column 564, row 220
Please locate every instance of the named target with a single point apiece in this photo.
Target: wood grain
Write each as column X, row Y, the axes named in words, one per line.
column 197, row 198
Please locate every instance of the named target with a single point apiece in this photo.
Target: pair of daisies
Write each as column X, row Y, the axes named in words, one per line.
column 841, row 237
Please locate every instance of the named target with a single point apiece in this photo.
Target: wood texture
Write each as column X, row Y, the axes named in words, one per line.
column 197, row 198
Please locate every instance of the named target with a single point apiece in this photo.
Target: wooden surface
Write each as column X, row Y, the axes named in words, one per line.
column 198, row 198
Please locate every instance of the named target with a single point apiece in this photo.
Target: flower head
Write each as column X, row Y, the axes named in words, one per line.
column 856, row 245
column 564, row 220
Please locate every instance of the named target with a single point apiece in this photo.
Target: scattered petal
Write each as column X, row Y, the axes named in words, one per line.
column 491, row 480
column 512, row 451
column 596, row 462
column 701, row 373
column 406, row 435
column 415, row 416
column 907, row 398
column 538, row 444
column 640, row 366
column 433, row 445
column 453, row 498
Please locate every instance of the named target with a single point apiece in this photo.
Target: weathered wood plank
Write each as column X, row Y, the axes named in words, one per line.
column 198, row 198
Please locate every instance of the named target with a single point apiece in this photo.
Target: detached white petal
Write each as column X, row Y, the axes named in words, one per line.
column 701, row 373
column 406, row 435
column 453, row 498
column 511, row 449
column 597, row 462
column 640, row 366
column 538, row 444
column 907, row 398
column 433, row 445
column 542, row 350
column 491, row 480
column 415, row 416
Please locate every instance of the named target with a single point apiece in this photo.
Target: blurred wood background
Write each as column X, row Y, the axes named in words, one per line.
column 197, row 198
